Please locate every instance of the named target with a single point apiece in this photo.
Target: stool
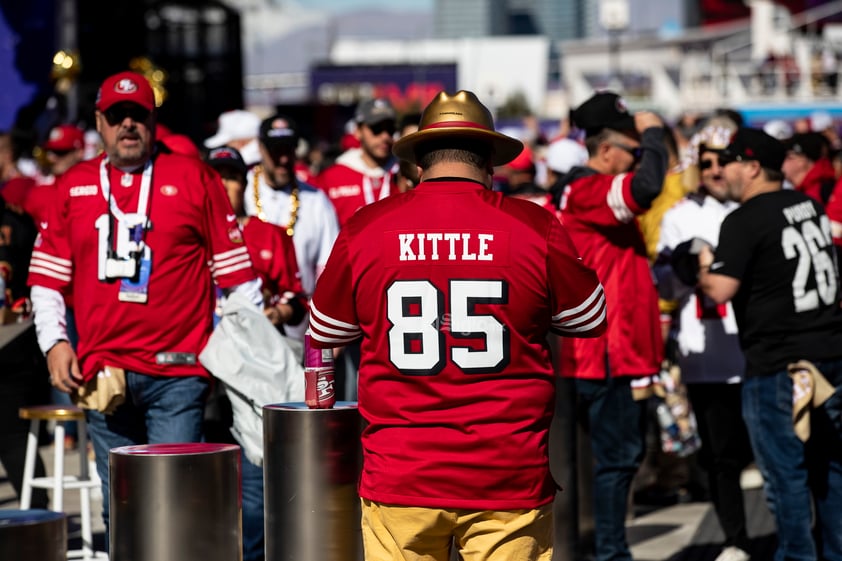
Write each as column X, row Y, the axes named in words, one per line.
column 58, row 482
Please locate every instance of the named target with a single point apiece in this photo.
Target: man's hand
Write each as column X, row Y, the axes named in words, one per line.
column 278, row 314
column 646, row 120
column 64, row 367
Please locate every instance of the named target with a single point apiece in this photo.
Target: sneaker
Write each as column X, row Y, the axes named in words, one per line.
column 733, row 553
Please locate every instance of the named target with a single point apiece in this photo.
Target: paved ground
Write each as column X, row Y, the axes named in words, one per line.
column 682, row 532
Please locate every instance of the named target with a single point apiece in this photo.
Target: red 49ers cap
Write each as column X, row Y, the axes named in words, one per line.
column 125, row 87
column 64, row 138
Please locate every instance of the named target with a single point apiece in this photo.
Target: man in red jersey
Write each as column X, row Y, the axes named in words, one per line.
column 598, row 203
column 132, row 232
column 453, row 288
column 369, row 173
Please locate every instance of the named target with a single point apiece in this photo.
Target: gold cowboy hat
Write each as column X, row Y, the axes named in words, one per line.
column 459, row 115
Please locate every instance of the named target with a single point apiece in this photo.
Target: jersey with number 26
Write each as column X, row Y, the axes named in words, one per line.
column 779, row 246
column 453, row 289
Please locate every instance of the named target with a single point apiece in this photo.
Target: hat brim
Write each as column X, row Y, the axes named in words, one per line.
column 504, row 148
column 217, row 140
column 228, row 163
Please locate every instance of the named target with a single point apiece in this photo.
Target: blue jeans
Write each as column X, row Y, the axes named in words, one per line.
column 617, row 429
column 157, row 410
column 798, row 475
column 253, row 528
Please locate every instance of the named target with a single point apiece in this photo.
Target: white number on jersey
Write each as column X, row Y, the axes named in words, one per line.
column 417, row 339
column 121, row 235
column 812, row 246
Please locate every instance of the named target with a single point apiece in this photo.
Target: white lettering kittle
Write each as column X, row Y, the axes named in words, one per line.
column 84, row 190
column 425, row 246
column 800, row 212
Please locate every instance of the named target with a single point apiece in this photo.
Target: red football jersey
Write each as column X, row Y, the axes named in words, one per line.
column 273, row 256
column 349, row 189
column 192, row 225
column 453, row 289
column 598, row 211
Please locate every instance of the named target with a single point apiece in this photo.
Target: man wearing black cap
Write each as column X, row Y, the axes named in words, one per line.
column 369, row 173
column 275, row 195
column 775, row 263
column 807, row 166
column 598, row 204
column 452, row 288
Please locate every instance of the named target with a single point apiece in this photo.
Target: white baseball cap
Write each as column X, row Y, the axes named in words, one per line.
column 778, row 128
column 564, row 154
column 234, row 125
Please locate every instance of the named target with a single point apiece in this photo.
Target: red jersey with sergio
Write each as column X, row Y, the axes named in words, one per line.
column 192, row 225
column 455, row 377
column 349, row 189
column 598, row 211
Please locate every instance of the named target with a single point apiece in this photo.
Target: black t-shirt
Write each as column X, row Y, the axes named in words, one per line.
column 787, row 307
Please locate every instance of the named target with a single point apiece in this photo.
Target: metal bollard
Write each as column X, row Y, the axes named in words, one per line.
column 33, row 534
column 176, row 502
column 312, row 462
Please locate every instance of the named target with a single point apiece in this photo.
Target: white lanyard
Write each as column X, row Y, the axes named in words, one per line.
column 143, row 197
column 368, row 192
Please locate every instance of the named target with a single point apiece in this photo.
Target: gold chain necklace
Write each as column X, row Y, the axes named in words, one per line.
column 293, row 203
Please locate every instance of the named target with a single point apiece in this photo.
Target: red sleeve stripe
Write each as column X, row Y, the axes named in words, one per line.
column 616, row 202
column 584, row 317
column 47, row 265
column 329, row 330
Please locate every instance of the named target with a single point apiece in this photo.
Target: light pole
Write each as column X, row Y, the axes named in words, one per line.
column 614, row 18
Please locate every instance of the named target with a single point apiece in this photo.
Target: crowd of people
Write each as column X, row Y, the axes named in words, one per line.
column 436, row 255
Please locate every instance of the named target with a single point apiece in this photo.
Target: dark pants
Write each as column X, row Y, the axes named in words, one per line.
column 801, row 479
column 24, row 381
column 617, row 429
column 725, row 453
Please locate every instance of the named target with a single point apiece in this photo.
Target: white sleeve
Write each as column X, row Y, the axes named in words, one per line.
column 330, row 230
column 49, row 313
column 253, row 290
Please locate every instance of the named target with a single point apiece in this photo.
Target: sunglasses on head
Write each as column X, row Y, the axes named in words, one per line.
column 118, row 113
column 379, row 128
column 633, row 151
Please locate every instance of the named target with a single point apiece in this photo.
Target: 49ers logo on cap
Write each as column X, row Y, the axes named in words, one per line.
column 621, row 106
column 125, row 86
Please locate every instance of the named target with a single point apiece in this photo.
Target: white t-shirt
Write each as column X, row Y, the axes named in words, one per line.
column 708, row 346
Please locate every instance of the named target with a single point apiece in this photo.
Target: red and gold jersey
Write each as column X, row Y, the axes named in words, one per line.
column 191, row 228
column 453, row 289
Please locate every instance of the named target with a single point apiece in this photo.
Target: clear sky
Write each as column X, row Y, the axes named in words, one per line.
column 343, row 5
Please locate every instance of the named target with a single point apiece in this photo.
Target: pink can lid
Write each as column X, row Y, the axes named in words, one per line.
column 175, row 449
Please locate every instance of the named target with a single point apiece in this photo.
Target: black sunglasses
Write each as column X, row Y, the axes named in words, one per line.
column 707, row 164
column 118, row 113
column 634, row 151
column 379, row 128
column 59, row 153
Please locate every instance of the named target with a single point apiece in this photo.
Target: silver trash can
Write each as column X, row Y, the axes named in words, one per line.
column 33, row 534
column 312, row 461
column 176, row 502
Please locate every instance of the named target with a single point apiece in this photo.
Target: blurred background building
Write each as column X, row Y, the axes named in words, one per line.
column 318, row 58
